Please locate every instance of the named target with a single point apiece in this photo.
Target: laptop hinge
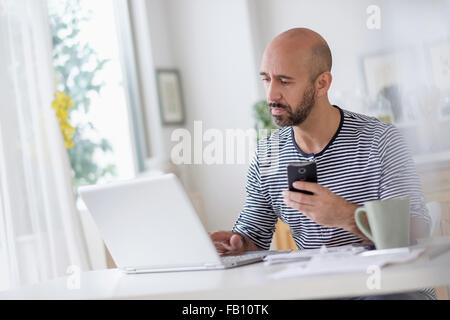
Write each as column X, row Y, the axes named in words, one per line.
column 213, row 265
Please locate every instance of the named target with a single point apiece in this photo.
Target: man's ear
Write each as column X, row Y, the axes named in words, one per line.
column 323, row 83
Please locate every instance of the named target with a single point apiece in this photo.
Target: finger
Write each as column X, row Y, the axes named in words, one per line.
column 308, row 186
column 303, row 208
column 222, row 251
column 301, row 198
column 221, row 235
column 222, row 245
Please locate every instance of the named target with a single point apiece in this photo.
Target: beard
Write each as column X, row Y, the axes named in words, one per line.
column 296, row 116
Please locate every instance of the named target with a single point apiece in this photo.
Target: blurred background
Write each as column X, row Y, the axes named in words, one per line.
column 121, row 76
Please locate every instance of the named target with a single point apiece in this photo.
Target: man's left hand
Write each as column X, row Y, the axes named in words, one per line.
column 323, row 207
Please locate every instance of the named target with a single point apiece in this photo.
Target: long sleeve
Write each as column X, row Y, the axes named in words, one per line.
column 399, row 177
column 257, row 219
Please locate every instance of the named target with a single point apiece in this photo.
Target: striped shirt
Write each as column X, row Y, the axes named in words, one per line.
column 367, row 159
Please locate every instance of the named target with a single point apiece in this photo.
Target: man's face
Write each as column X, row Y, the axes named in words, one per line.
column 289, row 90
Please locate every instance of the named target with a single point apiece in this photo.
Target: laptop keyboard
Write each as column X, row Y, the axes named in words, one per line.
column 245, row 257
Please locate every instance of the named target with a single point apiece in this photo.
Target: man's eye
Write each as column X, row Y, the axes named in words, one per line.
column 283, row 82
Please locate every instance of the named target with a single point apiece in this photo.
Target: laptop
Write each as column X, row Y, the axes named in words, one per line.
column 149, row 225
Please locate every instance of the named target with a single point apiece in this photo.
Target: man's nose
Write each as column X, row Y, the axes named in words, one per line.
column 273, row 94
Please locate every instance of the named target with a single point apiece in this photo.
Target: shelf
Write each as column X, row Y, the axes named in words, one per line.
column 409, row 124
column 433, row 160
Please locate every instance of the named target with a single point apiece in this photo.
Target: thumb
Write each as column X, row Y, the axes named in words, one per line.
column 236, row 242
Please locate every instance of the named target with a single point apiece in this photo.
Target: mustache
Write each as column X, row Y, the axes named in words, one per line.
column 278, row 105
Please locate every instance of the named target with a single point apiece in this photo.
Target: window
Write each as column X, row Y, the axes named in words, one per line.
column 95, row 66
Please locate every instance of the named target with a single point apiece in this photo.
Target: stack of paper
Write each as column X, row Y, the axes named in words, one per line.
column 308, row 254
column 338, row 262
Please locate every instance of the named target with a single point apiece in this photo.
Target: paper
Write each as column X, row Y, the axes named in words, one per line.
column 308, row 254
column 341, row 262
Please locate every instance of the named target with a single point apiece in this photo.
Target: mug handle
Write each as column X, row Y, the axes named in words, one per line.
column 361, row 224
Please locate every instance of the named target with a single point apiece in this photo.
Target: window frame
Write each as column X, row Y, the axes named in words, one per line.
column 129, row 62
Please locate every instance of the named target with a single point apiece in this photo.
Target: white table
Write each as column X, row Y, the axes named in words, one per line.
column 248, row 282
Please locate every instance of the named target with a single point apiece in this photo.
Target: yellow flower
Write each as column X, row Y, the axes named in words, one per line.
column 61, row 104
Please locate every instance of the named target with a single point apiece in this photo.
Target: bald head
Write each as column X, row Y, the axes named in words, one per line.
column 305, row 45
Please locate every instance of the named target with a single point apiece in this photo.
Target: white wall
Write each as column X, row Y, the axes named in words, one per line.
column 212, row 46
column 209, row 42
column 217, row 45
column 404, row 23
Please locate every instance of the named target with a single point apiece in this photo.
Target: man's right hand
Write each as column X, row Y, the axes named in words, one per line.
column 228, row 242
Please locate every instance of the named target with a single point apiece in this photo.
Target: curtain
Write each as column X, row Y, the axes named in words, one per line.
column 40, row 231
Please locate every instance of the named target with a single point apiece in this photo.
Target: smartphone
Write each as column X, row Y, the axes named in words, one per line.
column 301, row 171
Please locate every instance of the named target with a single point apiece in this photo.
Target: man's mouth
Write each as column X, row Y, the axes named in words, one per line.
column 277, row 110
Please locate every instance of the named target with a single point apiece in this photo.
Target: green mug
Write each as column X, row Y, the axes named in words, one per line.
column 389, row 222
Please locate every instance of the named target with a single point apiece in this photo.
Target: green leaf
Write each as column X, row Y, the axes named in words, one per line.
column 71, row 58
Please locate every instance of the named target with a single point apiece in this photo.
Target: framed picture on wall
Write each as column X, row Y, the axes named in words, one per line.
column 170, row 96
column 440, row 65
column 386, row 75
column 440, row 62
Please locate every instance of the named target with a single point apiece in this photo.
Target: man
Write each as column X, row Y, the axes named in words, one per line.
column 358, row 158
